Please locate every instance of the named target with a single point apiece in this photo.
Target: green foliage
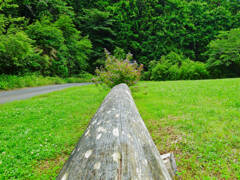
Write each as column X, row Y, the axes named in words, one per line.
column 77, row 47
column 47, row 36
column 31, row 80
column 98, row 25
column 118, row 71
column 175, row 67
column 150, row 29
column 193, row 70
column 119, row 53
column 15, row 52
column 35, row 9
column 224, row 54
column 50, row 42
column 62, row 46
column 49, row 39
column 10, row 21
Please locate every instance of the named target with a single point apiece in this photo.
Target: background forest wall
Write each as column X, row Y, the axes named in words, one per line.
column 64, row 38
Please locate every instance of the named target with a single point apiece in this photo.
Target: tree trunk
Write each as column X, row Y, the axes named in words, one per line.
column 116, row 145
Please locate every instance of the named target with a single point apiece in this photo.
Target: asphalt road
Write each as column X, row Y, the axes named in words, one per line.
column 19, row 94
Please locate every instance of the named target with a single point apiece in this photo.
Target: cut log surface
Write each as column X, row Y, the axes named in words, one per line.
column 116, row 145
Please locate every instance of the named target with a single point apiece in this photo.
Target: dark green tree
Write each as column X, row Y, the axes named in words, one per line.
column 224, row 54
column 98, row 26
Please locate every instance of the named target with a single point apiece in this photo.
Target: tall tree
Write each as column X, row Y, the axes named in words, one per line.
column 98, row 26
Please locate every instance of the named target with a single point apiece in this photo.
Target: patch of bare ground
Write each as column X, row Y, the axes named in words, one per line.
column 169, row 139
column 44, row 166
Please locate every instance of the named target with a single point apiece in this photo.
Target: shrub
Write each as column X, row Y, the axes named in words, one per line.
column 15, row 52
column 118, row 71
column 160, row 72
column 176, row 67
column 193, row 70
column 31, row 80
column 145, row 76
column 85, row 75
column 82, row 77
column 174, row 72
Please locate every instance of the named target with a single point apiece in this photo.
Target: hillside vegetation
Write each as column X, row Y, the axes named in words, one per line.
column 173, row 39
column 8, row 82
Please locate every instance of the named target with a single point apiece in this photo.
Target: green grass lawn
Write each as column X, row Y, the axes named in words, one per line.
column 37, row 135
column 197, row 120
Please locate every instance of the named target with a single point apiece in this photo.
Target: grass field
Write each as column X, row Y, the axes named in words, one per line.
column 37, row 135
column 197, row 120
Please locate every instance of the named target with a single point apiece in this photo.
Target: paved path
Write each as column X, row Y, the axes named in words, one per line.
column 8, row 96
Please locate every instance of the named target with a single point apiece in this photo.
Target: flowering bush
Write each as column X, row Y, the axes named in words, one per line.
column 118, row 71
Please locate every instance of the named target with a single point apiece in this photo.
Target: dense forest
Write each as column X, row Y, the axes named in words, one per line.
column 173, row 39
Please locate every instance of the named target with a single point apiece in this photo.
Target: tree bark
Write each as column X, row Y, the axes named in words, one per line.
column 116, row 145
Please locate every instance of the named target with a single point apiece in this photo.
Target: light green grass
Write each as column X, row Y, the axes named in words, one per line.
column 37, row 135
column 11, row 81
column 197, row 120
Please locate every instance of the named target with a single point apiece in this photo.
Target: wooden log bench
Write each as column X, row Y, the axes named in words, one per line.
column 117, row 145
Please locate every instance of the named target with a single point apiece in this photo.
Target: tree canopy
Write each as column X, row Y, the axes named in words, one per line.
column 57, row 37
